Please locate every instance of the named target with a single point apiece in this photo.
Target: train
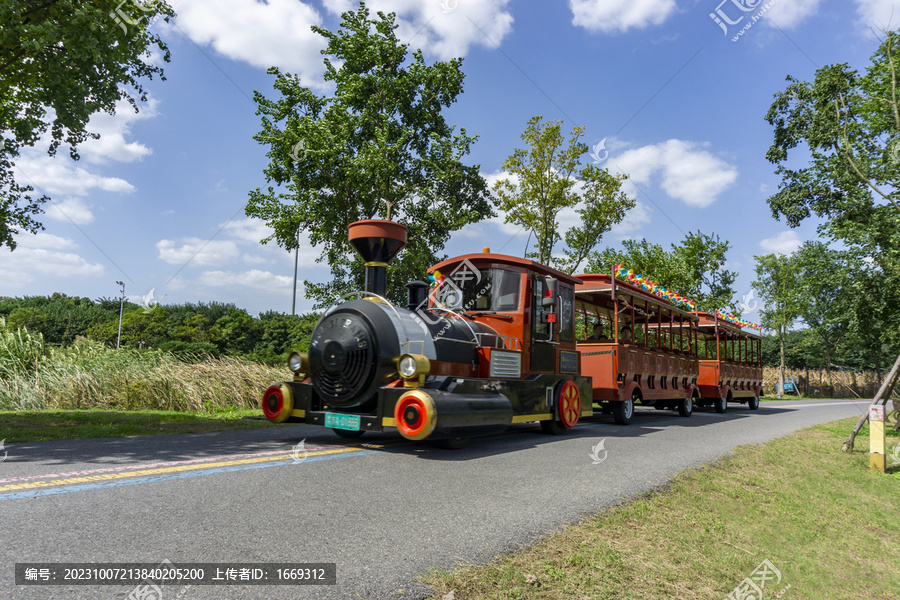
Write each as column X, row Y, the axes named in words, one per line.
column 492, row 340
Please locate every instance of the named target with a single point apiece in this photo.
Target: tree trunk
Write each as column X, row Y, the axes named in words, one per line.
column 828, row 366
column 780, row 391
column 883, row 392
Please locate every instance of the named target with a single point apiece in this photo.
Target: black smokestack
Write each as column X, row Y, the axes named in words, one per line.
column 416, row 292
column 378, row 242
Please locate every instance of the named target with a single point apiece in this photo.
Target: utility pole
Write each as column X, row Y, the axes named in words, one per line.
column 296, row 256
column 121, row 306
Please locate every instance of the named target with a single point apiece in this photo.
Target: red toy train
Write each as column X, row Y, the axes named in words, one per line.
column 497, row 340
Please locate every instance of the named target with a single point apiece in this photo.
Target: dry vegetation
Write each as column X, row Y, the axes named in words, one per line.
column 90, row 375
column 846, row 383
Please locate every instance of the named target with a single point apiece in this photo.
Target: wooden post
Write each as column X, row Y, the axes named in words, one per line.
column 880, row 398
column 876, row 439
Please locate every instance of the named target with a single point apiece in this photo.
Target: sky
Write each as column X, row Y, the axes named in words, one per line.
column 673, row 93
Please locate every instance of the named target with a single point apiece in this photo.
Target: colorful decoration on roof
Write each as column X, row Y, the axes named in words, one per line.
column 654, row 288
column 436, row 279
column 730, row 318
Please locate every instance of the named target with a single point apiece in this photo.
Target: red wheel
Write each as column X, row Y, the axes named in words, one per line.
column 415, row 415
column 277, row 403
column 569, row 404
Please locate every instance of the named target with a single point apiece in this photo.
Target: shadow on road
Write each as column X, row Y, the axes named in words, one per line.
column 179, row 447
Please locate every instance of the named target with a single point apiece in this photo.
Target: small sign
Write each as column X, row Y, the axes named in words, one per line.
column 568, row 362
column 876, row 413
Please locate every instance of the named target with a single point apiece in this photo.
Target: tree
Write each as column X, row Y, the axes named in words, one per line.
column 546, row 179
column 826, row 295
column 776, row 283
column 61, row 61
column 850, row 125
column 379, row 147
column 695, row 267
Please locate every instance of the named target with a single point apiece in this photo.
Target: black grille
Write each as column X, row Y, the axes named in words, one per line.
column 342, row 359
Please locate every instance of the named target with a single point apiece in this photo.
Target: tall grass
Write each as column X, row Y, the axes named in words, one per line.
column 90, row 375
column 20, row 350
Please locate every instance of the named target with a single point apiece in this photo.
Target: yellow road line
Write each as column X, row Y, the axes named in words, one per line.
column 146, row 472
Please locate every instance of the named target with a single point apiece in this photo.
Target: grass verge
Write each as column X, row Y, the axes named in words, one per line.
column 43, row 425
column 829, row 525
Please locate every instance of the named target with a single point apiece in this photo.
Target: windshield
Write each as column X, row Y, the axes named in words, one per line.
column 468, row 289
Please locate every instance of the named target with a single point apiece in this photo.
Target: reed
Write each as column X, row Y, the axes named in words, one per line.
column 90, row 375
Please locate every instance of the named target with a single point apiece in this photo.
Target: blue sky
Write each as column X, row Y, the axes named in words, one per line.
column 677, row 100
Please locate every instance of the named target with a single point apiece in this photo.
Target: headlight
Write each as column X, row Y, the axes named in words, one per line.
column 297, row 362
column 411, row 365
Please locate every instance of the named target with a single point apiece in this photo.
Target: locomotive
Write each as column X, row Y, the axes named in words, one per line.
column 489, row 344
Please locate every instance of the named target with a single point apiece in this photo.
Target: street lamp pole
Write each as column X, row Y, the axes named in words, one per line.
column 121, row 306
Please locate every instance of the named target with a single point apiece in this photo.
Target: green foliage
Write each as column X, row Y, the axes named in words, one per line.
column 801, row 350
column 849, row 125
column 378, row 148
column 695, row 267
column 827, row 296
column 190, row 331
column 59, row 318
column 62, row 61
column 777, row 286
column 546, row 180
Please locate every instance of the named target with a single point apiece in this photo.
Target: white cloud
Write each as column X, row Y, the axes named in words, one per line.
column 70, row 209
column 619, row 15
column 113, row 129
column 46, row 241
column 443, row 32
column 789, row 13
column 636, row 218
column 785, row 242
column 58, row 177
column 879, row 14
column 198, row 252
column 256, row 279
column 251, row 231
column 41, row 254
column 239, row 243
column 687, row 172
column 250, row 259
column 263, row 34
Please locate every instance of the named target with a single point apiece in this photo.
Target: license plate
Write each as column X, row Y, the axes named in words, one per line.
column 338, row 421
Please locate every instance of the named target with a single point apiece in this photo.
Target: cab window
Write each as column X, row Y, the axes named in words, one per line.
column 468, row 289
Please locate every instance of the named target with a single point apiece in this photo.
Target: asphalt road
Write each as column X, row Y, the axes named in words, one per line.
column 384, row 513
